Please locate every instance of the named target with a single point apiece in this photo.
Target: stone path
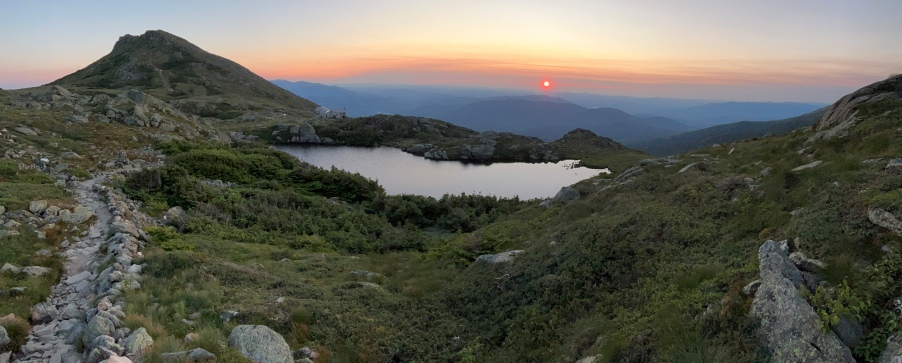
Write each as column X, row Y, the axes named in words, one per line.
column 65, row 308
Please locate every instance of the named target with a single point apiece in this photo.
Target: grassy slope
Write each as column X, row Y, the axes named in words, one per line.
column 647, row 271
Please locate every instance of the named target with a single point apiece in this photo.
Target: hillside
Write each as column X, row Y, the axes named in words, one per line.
column 725, row 134
column 171, row 68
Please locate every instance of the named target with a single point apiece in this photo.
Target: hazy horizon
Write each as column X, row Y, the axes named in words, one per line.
column 804, row 51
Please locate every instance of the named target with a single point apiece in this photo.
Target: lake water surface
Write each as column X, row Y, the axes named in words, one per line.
column 402, row 173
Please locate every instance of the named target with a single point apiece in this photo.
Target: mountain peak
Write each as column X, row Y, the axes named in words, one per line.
column 170, row 67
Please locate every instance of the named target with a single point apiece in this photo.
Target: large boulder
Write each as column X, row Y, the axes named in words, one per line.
column 260, row 344
column 100, row 325
column 789, row 326
column 78, row 215
column 886, row 220
column 4, row 337
column 506, row 256
column 37, row 206
column 137, row 342
column 566, row 194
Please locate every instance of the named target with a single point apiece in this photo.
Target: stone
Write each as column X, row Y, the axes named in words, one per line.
column 302, row 353
column 70, row 155
column 507, row 256
column 893, row 351
column 886, row 220
column 137, row 342
column 125, row 227
column 811, row 165
column 751, row 288
column 590, row 359
column 78, row 119
column 37, row 206
column 566, row 194
column 4, row 337
column 43, row 312
column 36, row 271
column 789, row 326
column 806, row 264
column 4, row 357
column 99, row 325
column 77, row 216
column 260, row 344
column 10, row 268
column 849, row 331
column 26, row 131
column 200, row 355
column 109, row 343
column 52, row 211
column 79, row 277
column 227, row 315
column 191, row 337
column 894, row 164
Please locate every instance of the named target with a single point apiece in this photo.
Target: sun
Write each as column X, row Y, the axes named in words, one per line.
column 546, row 84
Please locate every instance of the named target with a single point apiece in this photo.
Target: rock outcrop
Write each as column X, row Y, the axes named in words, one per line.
column 843, row 114
column 260, row 344
column 789, row 325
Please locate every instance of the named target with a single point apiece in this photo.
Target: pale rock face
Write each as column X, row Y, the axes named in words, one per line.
column 790, row 327
column 260, row 344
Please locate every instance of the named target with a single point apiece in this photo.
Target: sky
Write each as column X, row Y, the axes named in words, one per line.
column 762, row 50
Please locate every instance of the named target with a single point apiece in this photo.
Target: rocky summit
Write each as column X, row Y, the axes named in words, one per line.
column 145, row 217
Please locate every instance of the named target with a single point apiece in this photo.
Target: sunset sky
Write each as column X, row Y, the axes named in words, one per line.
column 762, row 50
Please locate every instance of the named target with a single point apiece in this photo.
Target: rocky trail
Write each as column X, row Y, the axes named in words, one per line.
column 85, row 309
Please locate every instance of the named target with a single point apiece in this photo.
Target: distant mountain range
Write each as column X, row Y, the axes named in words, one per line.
column 550, row 118
column 726, row 133
column 630, row 120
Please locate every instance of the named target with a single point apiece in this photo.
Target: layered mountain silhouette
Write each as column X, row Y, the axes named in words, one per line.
column 726, row 133
column 550, row 118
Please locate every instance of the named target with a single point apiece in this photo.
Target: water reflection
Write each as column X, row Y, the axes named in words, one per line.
column 402, row 173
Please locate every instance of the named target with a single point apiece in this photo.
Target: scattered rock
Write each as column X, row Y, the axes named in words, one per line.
column 191, row 337
column 893, row 351
column 38, row 207
column 200, row 355
column 36, row 271
column 137, row 342
column 806, row 264
column 228, row 315
column 5, row 233
column 894, row 164
column 70, row 155
column 507, row 256
column 260, row 344
column 885, row 219
column 26, row 131
column 43, row 312
column 4, row 337
column 807, row 166
column 10, row 268
column 849, row 331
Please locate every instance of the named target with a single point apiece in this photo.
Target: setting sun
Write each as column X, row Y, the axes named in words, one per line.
column 546, row 84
